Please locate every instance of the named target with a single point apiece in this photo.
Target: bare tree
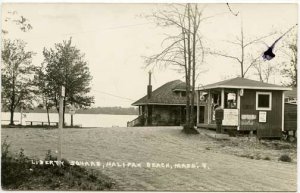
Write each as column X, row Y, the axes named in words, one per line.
column 289, row 70
column 264, row 71
column 184, row 50
column 242, row 44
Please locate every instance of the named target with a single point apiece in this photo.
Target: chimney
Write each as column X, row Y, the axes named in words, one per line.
column 149, row 88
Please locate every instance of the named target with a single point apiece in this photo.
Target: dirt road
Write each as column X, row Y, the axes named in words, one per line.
column 218, row 171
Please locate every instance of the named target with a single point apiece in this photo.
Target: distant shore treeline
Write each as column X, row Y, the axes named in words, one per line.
column 96, row 110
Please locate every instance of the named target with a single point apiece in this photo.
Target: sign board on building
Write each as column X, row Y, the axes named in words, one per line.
column 248, row 119
column 231, row 117
column 262, row 116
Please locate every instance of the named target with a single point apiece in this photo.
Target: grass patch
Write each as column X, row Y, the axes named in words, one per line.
column 18, row 173
column 285, row 158
column 247, row 156
column 267, row 158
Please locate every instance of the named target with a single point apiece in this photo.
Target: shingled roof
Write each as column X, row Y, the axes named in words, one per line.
column 245, row 84
column 165, row 95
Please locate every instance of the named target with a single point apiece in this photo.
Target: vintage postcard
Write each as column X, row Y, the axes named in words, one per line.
column 178, row 96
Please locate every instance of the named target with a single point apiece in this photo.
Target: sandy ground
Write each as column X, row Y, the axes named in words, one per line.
column 220, row 164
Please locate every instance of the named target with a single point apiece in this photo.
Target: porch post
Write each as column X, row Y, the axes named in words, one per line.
column 282, row 113
column 239, row 107
column 146, row 115
column 222, row 98
column 197, row 97
column 209, row 107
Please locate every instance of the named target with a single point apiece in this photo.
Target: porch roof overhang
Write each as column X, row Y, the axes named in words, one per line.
column 243, row 83
column 164, row 104
column 244, row 87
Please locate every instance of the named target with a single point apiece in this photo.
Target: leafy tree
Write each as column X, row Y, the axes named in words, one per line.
column 65, row 66
column 20, row 21
column 44, row 91
column 17, row 75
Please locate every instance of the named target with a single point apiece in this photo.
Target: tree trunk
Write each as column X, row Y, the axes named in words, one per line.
column 188, row 94
column 48, row 117
column 12, row 103
column 243, row 54
column 184, row 33
column 64, row 109
column 72, row 120
column 193, row 70
column 11, row 116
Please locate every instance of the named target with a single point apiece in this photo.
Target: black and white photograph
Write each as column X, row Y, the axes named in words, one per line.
column 189, row 96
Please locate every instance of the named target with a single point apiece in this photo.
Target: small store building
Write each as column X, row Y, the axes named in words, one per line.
column 248, row 105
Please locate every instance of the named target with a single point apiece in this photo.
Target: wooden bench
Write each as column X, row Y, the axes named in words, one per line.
column 42, row 123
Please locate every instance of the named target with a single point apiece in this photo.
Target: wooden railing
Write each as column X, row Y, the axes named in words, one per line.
column 135, row 122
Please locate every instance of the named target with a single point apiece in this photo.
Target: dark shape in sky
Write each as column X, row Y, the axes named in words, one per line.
column 269, row 55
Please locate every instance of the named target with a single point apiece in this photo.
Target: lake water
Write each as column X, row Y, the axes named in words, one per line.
column 85, row 120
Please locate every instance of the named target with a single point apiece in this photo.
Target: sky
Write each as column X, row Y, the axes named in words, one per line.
column 115, row 38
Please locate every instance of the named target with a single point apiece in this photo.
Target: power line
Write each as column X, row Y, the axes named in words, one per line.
column 110, row 28
column 112, row 95
column 94, row 30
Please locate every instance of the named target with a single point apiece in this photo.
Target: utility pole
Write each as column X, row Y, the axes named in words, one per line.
column 60, row 122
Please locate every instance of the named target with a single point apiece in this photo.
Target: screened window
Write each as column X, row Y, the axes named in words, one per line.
column 183, row 94
column 230, row 101
column 263, row 100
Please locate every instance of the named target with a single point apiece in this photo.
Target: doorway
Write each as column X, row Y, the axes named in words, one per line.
column 201, row 114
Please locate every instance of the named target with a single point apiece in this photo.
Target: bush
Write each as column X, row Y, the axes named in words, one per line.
column 285, row 158
column 18, row 173
column 267, row 158
column 15, row 169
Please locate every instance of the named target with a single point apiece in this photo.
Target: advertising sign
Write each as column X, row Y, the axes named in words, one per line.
column 231, row 117
column 262, row 116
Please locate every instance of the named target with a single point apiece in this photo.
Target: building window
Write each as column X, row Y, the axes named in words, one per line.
column 263, row 100
column 230, row 101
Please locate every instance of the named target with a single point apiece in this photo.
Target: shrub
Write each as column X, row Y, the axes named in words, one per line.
column 15, row 169
column 267, row 158
column 285, row 158
column 18, row 173
column 49, row 156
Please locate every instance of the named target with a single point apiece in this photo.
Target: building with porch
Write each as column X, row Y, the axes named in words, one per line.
column 165, row 106
column 248, row 106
